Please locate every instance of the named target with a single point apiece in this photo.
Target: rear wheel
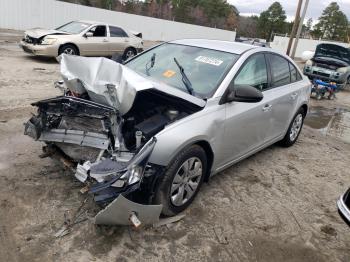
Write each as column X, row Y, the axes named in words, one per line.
column 129, row 53
column 294, row 129
column 182, row 180
column 68, row 50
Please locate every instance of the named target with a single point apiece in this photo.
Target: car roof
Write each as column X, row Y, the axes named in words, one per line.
column 220, row 45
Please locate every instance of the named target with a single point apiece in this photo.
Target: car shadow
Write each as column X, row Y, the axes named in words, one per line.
column 41, row 59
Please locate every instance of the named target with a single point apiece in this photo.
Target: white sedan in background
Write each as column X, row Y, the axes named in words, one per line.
column 85, row 38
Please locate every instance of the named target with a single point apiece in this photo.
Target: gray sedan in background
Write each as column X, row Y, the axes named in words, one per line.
column 152, row 130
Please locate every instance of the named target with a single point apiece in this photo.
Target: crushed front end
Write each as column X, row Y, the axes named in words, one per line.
column 104, row 128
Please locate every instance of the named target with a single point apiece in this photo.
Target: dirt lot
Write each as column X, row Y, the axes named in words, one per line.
column 278, row 205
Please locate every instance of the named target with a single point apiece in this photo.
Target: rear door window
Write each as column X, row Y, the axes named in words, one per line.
column 117, row 32
column 280, row 72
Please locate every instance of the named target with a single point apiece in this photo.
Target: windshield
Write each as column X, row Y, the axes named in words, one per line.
column 204, row 68
column 333, row 51
column 73, row 27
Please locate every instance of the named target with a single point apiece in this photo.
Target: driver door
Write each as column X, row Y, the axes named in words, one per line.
column 97, row 44
column 247, row 124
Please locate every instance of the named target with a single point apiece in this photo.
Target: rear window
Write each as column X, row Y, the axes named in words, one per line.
column 294, row 73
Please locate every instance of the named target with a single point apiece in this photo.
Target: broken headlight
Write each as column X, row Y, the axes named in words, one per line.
column 137, row 165
column 116, row 173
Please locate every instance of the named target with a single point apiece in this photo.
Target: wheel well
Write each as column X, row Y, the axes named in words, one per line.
column 69, row 44
column 131, row 47
column 210, row 157
column 305, row 108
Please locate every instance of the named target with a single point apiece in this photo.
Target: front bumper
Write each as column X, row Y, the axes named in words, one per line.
column 343, row 204
column 40, row 50
column 324, row 74
column 121, row 211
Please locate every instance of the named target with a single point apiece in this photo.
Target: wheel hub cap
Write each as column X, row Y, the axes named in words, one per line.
column 296, row 127
column 186, row 181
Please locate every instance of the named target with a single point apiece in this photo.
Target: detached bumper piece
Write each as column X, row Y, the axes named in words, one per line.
column 343, row 204
column 125, row 212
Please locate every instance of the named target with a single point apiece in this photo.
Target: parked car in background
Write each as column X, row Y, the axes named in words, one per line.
column 155, row 128
column 330, row 63
column 85, row 38
column 256, row 42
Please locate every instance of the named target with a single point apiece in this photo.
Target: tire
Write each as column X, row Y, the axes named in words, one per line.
column 172, row 200
column 68, row 49
column 129, row 52
column 294, row 129
column 318, row 96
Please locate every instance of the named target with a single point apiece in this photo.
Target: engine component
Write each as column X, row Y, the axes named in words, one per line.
column 152, row 125
column 172, row 114
column 138, row 135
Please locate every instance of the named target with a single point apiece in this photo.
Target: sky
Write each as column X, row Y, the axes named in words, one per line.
column 314, row 11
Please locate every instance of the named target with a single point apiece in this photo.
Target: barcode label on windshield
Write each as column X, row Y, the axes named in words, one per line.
column 209, row 60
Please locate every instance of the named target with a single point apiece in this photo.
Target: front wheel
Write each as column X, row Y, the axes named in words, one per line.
column 68, row 50
column 294, row 129
column 181, row 181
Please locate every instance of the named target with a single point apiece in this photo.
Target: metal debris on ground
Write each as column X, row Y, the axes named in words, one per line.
column 169, row 220
column 221, row 235
column 70, row 222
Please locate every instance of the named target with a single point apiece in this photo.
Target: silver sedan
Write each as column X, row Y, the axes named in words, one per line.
column 152, row 130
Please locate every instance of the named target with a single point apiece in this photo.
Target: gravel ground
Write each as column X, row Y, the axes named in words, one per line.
column 278, row 205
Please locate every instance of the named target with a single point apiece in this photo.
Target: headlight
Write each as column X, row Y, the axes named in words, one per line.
column 309, row 63
column 48, row 41
column 342, row 70
column 138, row 164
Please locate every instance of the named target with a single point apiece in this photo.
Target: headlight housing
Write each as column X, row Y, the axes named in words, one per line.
column 109, row 172
column 48, row 41
column 309, row 63
column 342, row 70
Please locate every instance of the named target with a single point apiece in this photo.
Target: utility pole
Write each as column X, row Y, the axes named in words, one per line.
column 295, row 25
column 299, row 29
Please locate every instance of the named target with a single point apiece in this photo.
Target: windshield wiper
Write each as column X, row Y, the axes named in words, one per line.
column 150, row 63
column 185, row 79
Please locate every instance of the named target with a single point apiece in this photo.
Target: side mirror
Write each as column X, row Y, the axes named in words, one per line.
column 244, row 93
column 89, row 34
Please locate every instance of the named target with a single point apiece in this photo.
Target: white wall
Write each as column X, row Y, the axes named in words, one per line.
column 25, row 14
column 280, row 43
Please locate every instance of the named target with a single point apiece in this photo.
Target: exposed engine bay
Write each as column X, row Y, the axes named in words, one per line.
column 106, row 127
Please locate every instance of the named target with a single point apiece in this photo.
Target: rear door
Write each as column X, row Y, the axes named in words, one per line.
column 247, row 124
column 119, row 40
column 97, row 44
column 285, row 89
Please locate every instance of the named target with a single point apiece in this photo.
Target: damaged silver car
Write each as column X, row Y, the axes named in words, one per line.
column 152, row 130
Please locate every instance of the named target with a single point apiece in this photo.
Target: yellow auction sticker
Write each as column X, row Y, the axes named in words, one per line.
column 169, row 73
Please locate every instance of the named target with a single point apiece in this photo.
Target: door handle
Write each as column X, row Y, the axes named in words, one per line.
column 294, row 95
column 267, row 108
column 104, row 40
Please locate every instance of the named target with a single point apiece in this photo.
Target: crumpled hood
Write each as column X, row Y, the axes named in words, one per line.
column 111, row 83
column 40, row 32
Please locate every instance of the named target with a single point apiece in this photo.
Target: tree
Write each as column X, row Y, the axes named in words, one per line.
column 248, row 26
column 309, row 24
column 333, row 24
column 272, row 20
